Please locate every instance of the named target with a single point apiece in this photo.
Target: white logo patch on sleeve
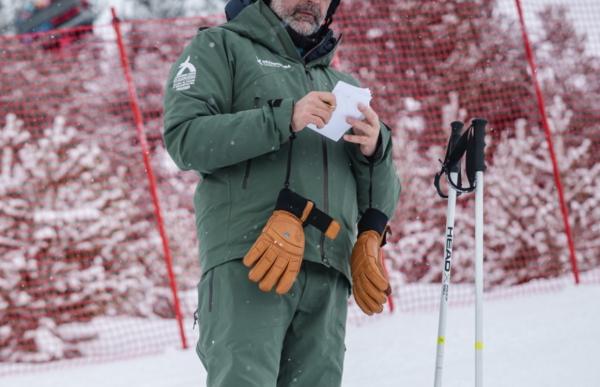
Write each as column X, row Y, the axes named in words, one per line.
column 186, row 76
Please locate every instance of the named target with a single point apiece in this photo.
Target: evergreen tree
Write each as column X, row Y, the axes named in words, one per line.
column 71, row 246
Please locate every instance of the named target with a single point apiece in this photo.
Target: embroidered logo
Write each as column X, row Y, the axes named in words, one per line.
column 268, row 63
column 186, row 76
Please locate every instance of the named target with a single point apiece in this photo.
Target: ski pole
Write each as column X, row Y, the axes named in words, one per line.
column 450, row 212
column 479, row 168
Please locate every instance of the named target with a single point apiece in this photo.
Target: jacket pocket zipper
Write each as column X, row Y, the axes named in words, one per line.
column 249, row 162
column 210, row 290
column 246, row 174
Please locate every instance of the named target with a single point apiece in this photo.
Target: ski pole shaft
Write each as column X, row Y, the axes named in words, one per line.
column 479, row 280
column 450, row 214
column 479, row 158
column 441, row 337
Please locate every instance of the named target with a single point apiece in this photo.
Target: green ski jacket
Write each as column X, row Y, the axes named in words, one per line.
column 227, row 113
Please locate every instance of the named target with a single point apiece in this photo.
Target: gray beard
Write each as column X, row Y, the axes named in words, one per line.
column 302, row 28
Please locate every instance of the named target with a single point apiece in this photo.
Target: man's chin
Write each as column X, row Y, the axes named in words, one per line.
column 303, row 28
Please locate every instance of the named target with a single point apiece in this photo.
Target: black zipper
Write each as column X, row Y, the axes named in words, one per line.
column 246, row 174
column 210, row 290
column 249, row 162
column 323, row 41
column 324, row 143
column 325, row 192
column 325, row 174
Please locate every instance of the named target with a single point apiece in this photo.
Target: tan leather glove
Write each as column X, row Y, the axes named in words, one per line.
column 277, row 254
column 369, row 282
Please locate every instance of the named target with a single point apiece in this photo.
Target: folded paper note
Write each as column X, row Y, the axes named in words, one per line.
column 347, row 99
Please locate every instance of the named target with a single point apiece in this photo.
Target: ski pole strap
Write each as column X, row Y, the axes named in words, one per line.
column 323, row 222
column 472, row 143
column 288, row 172
column 457, row 127
column 453, row 161
column 294, row 203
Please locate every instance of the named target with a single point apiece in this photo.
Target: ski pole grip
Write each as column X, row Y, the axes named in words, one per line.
column 479, row 143
column 457, row 127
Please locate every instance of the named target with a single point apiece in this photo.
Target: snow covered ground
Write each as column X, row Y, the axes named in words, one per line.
column 545, row 340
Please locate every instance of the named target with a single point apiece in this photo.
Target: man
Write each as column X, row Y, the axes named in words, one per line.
column 272, row 300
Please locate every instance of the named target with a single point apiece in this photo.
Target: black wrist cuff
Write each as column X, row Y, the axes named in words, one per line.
column 373, row 219
column 291, row 202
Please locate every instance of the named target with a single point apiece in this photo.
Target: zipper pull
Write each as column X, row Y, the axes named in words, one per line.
column 195, row 319
column 307, row 71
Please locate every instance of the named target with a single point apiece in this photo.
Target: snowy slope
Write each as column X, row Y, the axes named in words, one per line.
column 547, row 340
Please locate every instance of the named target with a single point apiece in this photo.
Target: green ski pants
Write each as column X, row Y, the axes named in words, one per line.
column 249, row 338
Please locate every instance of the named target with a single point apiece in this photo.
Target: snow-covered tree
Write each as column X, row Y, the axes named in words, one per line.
column 567, row 69
column 8, row 10
column 524, row 232
column 72, row 244
column 580, row 174
column 437, row 54
column 416, row 246
column 177, row 192
column 426, row 50
column 160, row 9
column 95, row 102
column 527, row 235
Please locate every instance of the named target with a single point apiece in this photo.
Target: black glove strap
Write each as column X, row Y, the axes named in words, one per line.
column 295, row 204
column 319, row 219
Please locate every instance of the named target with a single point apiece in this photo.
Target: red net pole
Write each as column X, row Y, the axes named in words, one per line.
column 546, row 125
column 390, row 299
column 149, row 171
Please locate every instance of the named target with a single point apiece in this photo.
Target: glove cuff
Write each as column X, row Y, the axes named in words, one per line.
column 373, row 219
column 293, row 203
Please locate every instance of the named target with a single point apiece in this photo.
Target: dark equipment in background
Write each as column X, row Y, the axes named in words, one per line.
column 46, row 15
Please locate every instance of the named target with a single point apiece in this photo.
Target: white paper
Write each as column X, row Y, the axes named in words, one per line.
column 347, row 99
